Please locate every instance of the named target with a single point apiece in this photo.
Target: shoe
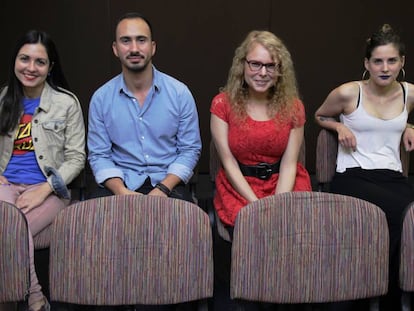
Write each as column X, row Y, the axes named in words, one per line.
column 44, row 307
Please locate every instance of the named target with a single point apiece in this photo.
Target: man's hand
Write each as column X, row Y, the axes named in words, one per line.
column 157, row 192
column 117, row 187
column 127, row 191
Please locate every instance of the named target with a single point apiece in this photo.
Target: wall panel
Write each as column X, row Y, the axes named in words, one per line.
column 196, row 42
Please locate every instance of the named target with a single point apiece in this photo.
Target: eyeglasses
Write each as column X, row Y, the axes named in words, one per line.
column 257, row 66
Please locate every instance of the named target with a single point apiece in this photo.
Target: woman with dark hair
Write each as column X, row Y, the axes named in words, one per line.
column 42, row 140
column 373, row 115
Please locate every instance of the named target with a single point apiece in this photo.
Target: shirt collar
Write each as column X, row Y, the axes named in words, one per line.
column 123, row 89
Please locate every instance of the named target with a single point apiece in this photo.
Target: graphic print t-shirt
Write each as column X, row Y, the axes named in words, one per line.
column 23, row 167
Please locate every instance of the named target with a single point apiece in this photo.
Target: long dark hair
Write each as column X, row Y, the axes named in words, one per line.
column 11, row 105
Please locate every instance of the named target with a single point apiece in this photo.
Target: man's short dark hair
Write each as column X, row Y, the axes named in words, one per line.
column 132, row 15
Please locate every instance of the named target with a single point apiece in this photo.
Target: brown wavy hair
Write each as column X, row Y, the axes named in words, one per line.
column 284, row 92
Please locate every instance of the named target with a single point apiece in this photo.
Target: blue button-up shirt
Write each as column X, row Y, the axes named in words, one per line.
column 134, row 142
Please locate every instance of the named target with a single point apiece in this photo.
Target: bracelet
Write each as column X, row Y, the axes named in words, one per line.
column 409, row 126
column 163, row 188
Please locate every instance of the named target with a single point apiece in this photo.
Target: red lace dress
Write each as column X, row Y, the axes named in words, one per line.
column 252, row 142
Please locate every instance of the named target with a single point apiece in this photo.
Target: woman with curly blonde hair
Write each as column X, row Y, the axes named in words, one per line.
column 257, row 125
column 282, row 94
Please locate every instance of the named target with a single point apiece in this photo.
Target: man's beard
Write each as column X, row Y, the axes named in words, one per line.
column 137, row 68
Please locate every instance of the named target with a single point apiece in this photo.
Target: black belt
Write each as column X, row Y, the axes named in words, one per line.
column 261, row 170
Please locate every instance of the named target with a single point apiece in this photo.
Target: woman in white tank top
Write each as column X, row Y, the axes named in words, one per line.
column 370, row 118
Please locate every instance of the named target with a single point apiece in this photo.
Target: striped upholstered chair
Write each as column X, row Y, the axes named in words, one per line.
column 309, row 247
column 407, row 258
column 326, row 153
column 214, row 166
column 14, row 254
column 129, row 250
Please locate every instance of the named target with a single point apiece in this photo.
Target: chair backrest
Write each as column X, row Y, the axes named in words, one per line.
column 407, row 251
column 131, row 249
column 309, row 247
column 14, row 254
column 326, row 154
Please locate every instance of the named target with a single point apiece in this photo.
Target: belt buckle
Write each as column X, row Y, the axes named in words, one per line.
column 264, row 170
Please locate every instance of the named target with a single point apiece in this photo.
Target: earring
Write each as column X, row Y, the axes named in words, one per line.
column 364, row 75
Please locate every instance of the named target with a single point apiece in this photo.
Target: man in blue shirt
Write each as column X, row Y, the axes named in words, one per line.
column 143, row 132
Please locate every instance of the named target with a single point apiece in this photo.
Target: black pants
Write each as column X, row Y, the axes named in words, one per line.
column 179, row 192
column 391, row 192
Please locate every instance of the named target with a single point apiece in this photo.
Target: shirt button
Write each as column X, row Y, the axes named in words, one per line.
column 142, row 137
column 40, row 157
column 35, row 139
column 36, row 121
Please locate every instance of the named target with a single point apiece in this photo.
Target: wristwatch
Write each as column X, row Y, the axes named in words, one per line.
column 163, row 188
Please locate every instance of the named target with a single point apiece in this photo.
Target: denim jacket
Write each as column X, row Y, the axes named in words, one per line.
column 58, row 133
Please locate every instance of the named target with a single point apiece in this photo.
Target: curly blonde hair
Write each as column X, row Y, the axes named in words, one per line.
column 282, row 95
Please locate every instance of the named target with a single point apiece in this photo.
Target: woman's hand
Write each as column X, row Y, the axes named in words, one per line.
column 345, row 137
column 33, row 197
column 408, row 139
column 3, row 180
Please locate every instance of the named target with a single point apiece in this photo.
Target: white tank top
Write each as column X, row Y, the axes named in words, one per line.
column 378, row 140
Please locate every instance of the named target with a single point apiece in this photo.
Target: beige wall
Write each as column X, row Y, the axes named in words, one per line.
column 196, row 41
